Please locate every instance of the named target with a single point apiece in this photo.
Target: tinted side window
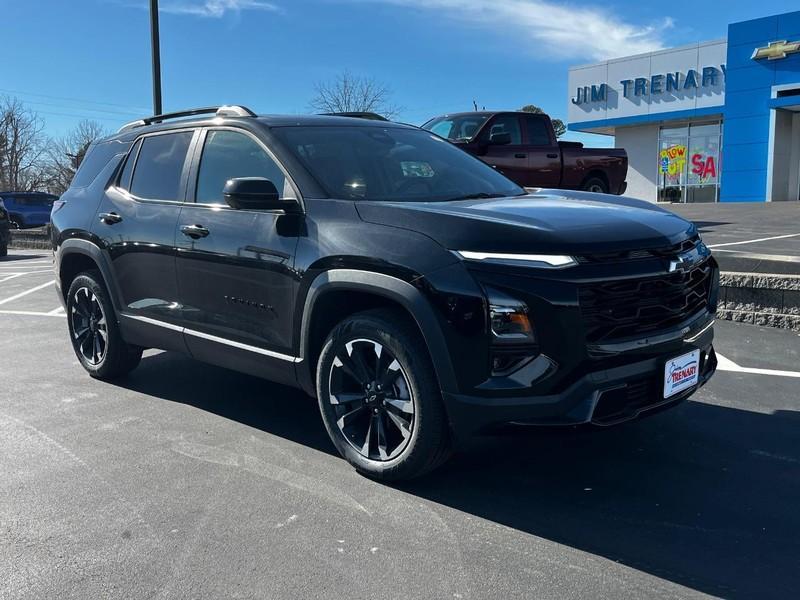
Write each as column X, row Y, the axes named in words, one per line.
column 228, row 154
column 538, row 132
column 97, row 157
column 127, row 170
column 160, row 165
column 505, row 124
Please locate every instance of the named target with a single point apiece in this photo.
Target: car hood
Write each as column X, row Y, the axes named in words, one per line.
column 549, row 221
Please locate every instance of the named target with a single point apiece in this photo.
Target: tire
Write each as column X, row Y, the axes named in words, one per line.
column 402, row 408
column 3, row 251
column 94, row 331
column 17, row 222
column 596, row 185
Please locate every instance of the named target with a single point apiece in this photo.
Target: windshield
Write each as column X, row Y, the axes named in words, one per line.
column 456, row 129
column 374, row 163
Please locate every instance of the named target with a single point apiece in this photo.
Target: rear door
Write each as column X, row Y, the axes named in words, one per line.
column 136, row 224
column 510, row 159
column 544, row 155
column 235, row 276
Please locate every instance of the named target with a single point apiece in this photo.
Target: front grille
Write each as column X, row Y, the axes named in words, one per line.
column 628, row 255
column 620, row 309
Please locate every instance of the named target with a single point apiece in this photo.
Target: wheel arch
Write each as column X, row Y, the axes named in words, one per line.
column 325, row 306
column 76, row 256
column 598, row 174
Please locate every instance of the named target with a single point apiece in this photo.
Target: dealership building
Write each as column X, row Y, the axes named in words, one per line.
column 711, row 121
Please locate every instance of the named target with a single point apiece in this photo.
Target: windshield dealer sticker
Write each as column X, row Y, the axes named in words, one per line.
column 681, row 373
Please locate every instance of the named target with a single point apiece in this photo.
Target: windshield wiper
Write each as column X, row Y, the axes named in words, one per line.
column 476, row 196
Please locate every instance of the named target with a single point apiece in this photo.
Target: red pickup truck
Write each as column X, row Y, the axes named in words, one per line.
column 523, row 146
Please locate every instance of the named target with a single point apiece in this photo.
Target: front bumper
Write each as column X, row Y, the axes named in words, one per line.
column 603, row 397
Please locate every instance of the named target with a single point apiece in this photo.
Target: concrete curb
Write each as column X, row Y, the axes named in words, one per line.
column 32, row 239
column 762, row 299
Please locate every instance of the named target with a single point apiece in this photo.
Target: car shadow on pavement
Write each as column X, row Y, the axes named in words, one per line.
column 702, row 495
column 273, row 408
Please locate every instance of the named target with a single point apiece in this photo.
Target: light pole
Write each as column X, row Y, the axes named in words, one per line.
column 155, row 46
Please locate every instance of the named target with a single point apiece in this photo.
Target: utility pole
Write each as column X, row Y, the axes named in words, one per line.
column 155, row 46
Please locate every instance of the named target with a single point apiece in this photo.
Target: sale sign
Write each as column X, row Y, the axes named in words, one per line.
column 672, row 160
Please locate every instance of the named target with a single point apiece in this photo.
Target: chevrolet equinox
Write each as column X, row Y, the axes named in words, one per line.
column 417, row 293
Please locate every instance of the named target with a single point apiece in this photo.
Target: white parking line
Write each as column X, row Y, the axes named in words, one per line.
column 725, row 364
column 766, row 239
column 26, row 292
column 11, row 276
column 30, row 313
column 56, row 311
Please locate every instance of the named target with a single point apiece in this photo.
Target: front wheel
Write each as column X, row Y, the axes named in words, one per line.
column 94, row 331
column 379, row 397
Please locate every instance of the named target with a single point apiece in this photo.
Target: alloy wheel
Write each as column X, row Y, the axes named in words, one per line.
column 372, row 399
column 89, row 326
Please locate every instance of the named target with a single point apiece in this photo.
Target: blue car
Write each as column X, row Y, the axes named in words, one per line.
column 28, row 209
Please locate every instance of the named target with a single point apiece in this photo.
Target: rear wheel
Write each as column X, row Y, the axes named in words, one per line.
column 596, row 185
column 379, row 398
column 3, row 250
column 94, row 331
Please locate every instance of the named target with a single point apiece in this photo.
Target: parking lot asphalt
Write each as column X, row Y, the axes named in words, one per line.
column 189, row 481
column 760, row 237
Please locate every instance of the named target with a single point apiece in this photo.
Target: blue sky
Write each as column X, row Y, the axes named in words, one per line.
column 73, row 59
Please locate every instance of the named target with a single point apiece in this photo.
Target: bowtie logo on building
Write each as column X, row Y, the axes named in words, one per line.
column 776, row 50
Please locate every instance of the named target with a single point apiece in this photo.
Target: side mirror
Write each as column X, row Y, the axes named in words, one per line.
column 255, row 193
column 500, row 139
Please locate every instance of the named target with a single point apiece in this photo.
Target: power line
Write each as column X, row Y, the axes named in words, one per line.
column 89, row 117
column 89, row 109
column 137, row 109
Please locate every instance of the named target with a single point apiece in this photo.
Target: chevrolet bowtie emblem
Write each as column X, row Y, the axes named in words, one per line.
column 776, row 50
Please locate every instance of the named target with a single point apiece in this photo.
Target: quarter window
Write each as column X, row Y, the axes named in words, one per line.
column 538, row 134
column 127, row 170
column 160, row 166
column 227, row 155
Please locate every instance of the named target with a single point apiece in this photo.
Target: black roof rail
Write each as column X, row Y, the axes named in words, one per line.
column 221, row 111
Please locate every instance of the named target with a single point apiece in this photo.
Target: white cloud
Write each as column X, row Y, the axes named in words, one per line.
column 556, row 29
column 213, row 8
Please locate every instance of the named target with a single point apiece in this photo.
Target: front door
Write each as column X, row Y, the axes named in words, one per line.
column 136, row 225
column 237, row 286
column 510, row 159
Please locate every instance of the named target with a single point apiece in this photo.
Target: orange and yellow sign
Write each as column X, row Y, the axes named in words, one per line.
column 672, row 160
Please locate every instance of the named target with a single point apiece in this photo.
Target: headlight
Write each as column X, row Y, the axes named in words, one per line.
column 509, row 320
column 546, row 261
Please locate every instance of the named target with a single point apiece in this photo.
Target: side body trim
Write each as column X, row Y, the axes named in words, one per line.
column 214, row 338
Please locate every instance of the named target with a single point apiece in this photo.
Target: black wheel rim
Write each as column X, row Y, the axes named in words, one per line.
column 371, row 399
column 89, row 326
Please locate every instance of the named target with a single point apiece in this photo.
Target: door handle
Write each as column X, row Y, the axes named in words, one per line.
column 194, row 231
column 520, row 155
column 552, row 155
column 109, row 218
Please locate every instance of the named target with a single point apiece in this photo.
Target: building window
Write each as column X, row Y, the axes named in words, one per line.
column 689, row 162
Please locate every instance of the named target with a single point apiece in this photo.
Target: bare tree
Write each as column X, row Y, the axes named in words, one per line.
column 558, row 124
column 23, row 146
column 64, row 155
column 353, row 93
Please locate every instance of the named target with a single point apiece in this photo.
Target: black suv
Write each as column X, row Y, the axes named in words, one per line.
column 417, row 293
